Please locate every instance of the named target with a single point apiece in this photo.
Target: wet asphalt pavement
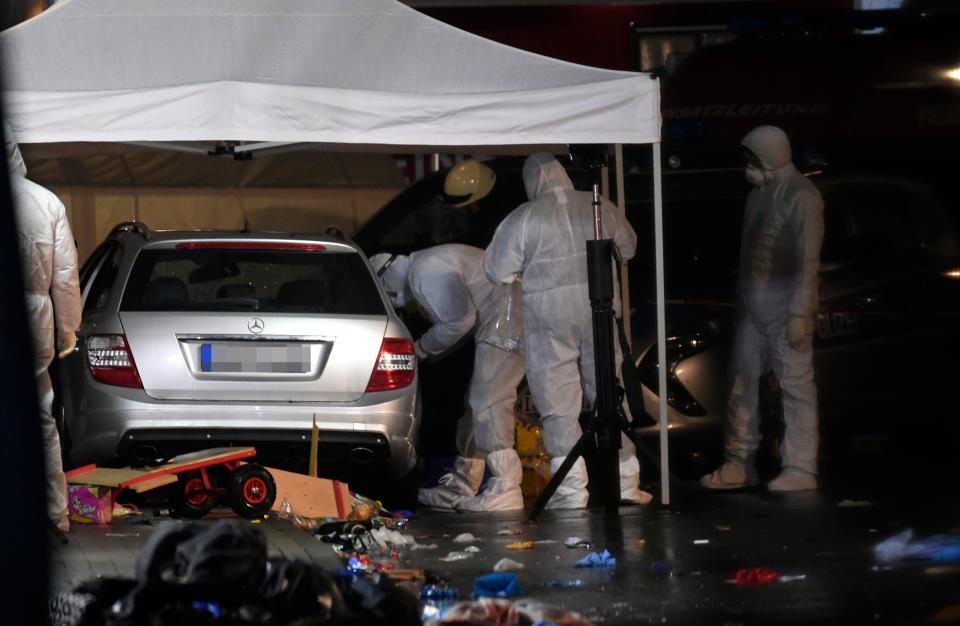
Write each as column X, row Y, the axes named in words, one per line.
column 674, row 565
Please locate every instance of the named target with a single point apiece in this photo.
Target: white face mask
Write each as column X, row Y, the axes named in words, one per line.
column 755, row 176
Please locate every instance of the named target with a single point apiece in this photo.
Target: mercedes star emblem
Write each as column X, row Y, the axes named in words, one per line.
column 255, row 325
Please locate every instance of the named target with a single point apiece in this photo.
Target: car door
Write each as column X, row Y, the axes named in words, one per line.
column 888, row 310
column 97, row 279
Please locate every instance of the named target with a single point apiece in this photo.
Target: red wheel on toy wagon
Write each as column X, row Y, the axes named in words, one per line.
column 252, row 490
column 193, row 500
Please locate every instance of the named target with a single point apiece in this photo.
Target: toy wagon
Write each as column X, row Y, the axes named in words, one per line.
column 201, row 479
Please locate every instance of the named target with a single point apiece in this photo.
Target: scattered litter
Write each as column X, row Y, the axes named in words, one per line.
column 437, row 600
column 435, row 593
column 421, row 546
column 597, row 559
column 465, row 538
column 347, row 537
column 543, row 542
column 576, row 583
column 485, row 612
column 723, row 529
column 497, row 585
column 793, row 579
column 122, row 534
column 942, row 569
column 539, row 613
column 473, row 549
column 504, row 531
column 456, row 556
column 577, row 542
column 387, row 537
column 358, row 564
column 755, row 576
column 90, row 504
column 406, row 575
column 521, row 545
column 936, row 548
column 498, row 612
column 286, row 512
column 125, row 510
column 506, row 565
column 846, row 504
column 701, row 542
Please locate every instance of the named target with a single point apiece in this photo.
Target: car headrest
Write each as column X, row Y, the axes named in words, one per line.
column 165, row 290
column 309, row 293
column 237, row 290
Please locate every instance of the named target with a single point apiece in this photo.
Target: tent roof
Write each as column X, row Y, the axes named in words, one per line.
column 327, row 71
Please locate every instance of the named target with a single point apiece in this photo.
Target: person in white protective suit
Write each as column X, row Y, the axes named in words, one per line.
column 52, row 286
column 779, row 265
column 544, row 241
column 452, row 292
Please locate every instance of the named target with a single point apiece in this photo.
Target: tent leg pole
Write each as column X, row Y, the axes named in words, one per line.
column 661, row 328
column 624, row 275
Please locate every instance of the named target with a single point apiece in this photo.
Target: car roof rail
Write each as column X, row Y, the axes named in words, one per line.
column 132, row 226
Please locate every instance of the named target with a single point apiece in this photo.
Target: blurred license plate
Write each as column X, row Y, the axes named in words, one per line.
column 275, row 358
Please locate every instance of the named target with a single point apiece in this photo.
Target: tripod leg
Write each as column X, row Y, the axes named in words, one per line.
column 644, row 449
column 561, row 473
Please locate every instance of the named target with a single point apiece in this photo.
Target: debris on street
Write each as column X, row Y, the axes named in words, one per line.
column 597, row 559
column 497, row 585
column 506, row 565
column 903, row 547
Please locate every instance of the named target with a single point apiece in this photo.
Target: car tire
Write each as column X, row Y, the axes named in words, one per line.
column 251, row 490
column 191, row 500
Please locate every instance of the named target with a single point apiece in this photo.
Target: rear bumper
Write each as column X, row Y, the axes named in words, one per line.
column 123, row 426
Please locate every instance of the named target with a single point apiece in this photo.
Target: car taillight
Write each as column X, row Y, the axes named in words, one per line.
column 396, row 365
column 111, row 362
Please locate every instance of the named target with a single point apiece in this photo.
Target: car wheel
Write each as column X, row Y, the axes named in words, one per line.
column 192, row 501
column 252, row 490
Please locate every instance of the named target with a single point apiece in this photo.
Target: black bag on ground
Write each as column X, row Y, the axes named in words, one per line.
column 230, row 552
column 201, row 574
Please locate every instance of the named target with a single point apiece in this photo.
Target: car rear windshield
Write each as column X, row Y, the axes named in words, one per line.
column 270, row 280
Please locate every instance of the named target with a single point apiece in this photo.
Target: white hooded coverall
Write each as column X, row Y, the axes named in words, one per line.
column 449, row 285
column 52, row 286
column 779, row 265
column 544, row 241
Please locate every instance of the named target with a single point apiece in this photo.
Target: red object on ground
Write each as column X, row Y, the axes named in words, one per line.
column 756, row 576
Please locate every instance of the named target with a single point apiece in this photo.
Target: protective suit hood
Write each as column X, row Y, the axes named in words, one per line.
column 394, row 277
column 14, row 160
column 542, row 173
column 771, row 146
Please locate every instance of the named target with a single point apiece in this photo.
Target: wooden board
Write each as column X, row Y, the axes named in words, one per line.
column 213, row 456
column 153, row 483
column 145, row 479
column 311, row 497
column 106, row 476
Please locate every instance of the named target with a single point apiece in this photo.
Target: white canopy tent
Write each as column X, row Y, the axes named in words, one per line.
column 257, row 74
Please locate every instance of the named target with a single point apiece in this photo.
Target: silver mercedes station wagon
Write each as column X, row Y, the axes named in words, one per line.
column 203, row 339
